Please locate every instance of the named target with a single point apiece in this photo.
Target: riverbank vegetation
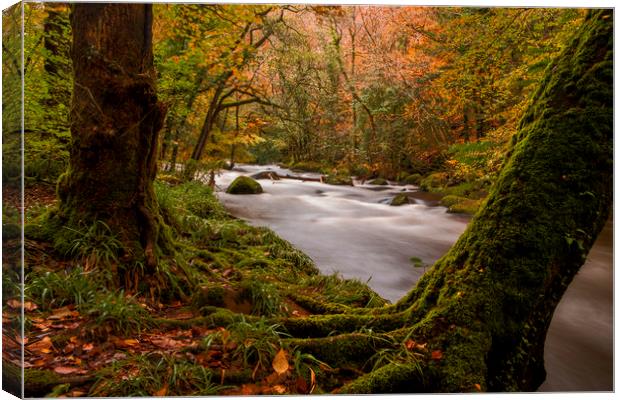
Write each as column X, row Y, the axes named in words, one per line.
column 138, row 282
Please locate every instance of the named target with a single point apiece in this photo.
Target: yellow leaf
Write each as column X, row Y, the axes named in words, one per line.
column 280, row 363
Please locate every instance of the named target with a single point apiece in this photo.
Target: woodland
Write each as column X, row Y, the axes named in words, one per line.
column 138, row 282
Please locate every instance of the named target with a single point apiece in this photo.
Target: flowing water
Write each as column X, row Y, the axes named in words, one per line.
column 353, row 231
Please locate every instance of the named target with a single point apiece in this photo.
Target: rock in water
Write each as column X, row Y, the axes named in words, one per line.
column 378, row 181
column 399, row 200
column 265, row 175
column 244, row 185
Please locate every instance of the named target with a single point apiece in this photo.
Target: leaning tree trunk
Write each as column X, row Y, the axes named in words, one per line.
column 487, row 304
column 115, row 118
column 482, row 312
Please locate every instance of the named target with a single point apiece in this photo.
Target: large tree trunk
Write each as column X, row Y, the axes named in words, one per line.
column 487, row 304
column 115, row 118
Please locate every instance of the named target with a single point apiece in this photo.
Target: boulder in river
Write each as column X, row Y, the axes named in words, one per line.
column 244, row 185
column 338, row 180
column 378, row 181
column 399, row 200
column 265, row 175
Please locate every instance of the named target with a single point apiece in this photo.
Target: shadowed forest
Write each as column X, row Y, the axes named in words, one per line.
column 277, row 199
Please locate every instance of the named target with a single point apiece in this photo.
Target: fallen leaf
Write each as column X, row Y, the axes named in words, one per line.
column 162, row 392
column 63, row 313
column 30, row 306
column 125, row 343
column 41, row 327
column 279, row 389
column 436, row 355
column 410, row 344
column 167, row 343
column 477, row 386
column 21, row 340
column 312, row 380
column 88, row 346
column 14, row 304
column 249, row 389
column 279, row 363
column 42, row 346
column 66, row 370
column 71, row 325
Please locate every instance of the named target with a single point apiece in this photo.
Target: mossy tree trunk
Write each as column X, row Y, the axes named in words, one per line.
column 115, row 118
column 483, row 310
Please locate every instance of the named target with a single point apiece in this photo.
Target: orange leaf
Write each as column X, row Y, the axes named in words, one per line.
column 312, row 380
column 21, row 340
column 63, row 313
column 436, row 355
column 279, row 363
column 477, row 386
column 279, row 389
column 14, row 303
column 163, row 391
column 410, row 344
column 88, row 346
column 42, row 346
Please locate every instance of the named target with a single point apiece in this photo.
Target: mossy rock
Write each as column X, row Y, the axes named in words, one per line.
column 434, row 181
column 338, row 180
column 244, row 185
column 399, row 200
column 413, row 179
column 378, row 181
column 450, row 200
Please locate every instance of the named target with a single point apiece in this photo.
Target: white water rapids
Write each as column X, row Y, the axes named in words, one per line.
column 352, row 230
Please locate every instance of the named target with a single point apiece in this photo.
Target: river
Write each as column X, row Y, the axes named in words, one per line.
column 353, row 231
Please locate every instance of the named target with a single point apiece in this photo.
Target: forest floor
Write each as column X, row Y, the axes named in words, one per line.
column 214, row 330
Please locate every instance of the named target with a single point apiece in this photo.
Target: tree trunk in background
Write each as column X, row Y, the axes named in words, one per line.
column 487, row 304
column 115, row 118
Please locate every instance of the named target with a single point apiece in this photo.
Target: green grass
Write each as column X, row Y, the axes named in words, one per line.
column 96, row 245
column 55, row 289
column 115, row 313
column 145, row 375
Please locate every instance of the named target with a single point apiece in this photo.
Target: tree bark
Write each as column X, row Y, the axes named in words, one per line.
column 115, row 119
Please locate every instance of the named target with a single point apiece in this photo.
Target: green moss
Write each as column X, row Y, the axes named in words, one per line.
column 434, row 182
column 209, row 296
column 399, row 200
column 392, row 378
column 465, row 206
column 244, row 185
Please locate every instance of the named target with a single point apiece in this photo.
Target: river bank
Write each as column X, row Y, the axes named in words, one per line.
column 352, row 230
